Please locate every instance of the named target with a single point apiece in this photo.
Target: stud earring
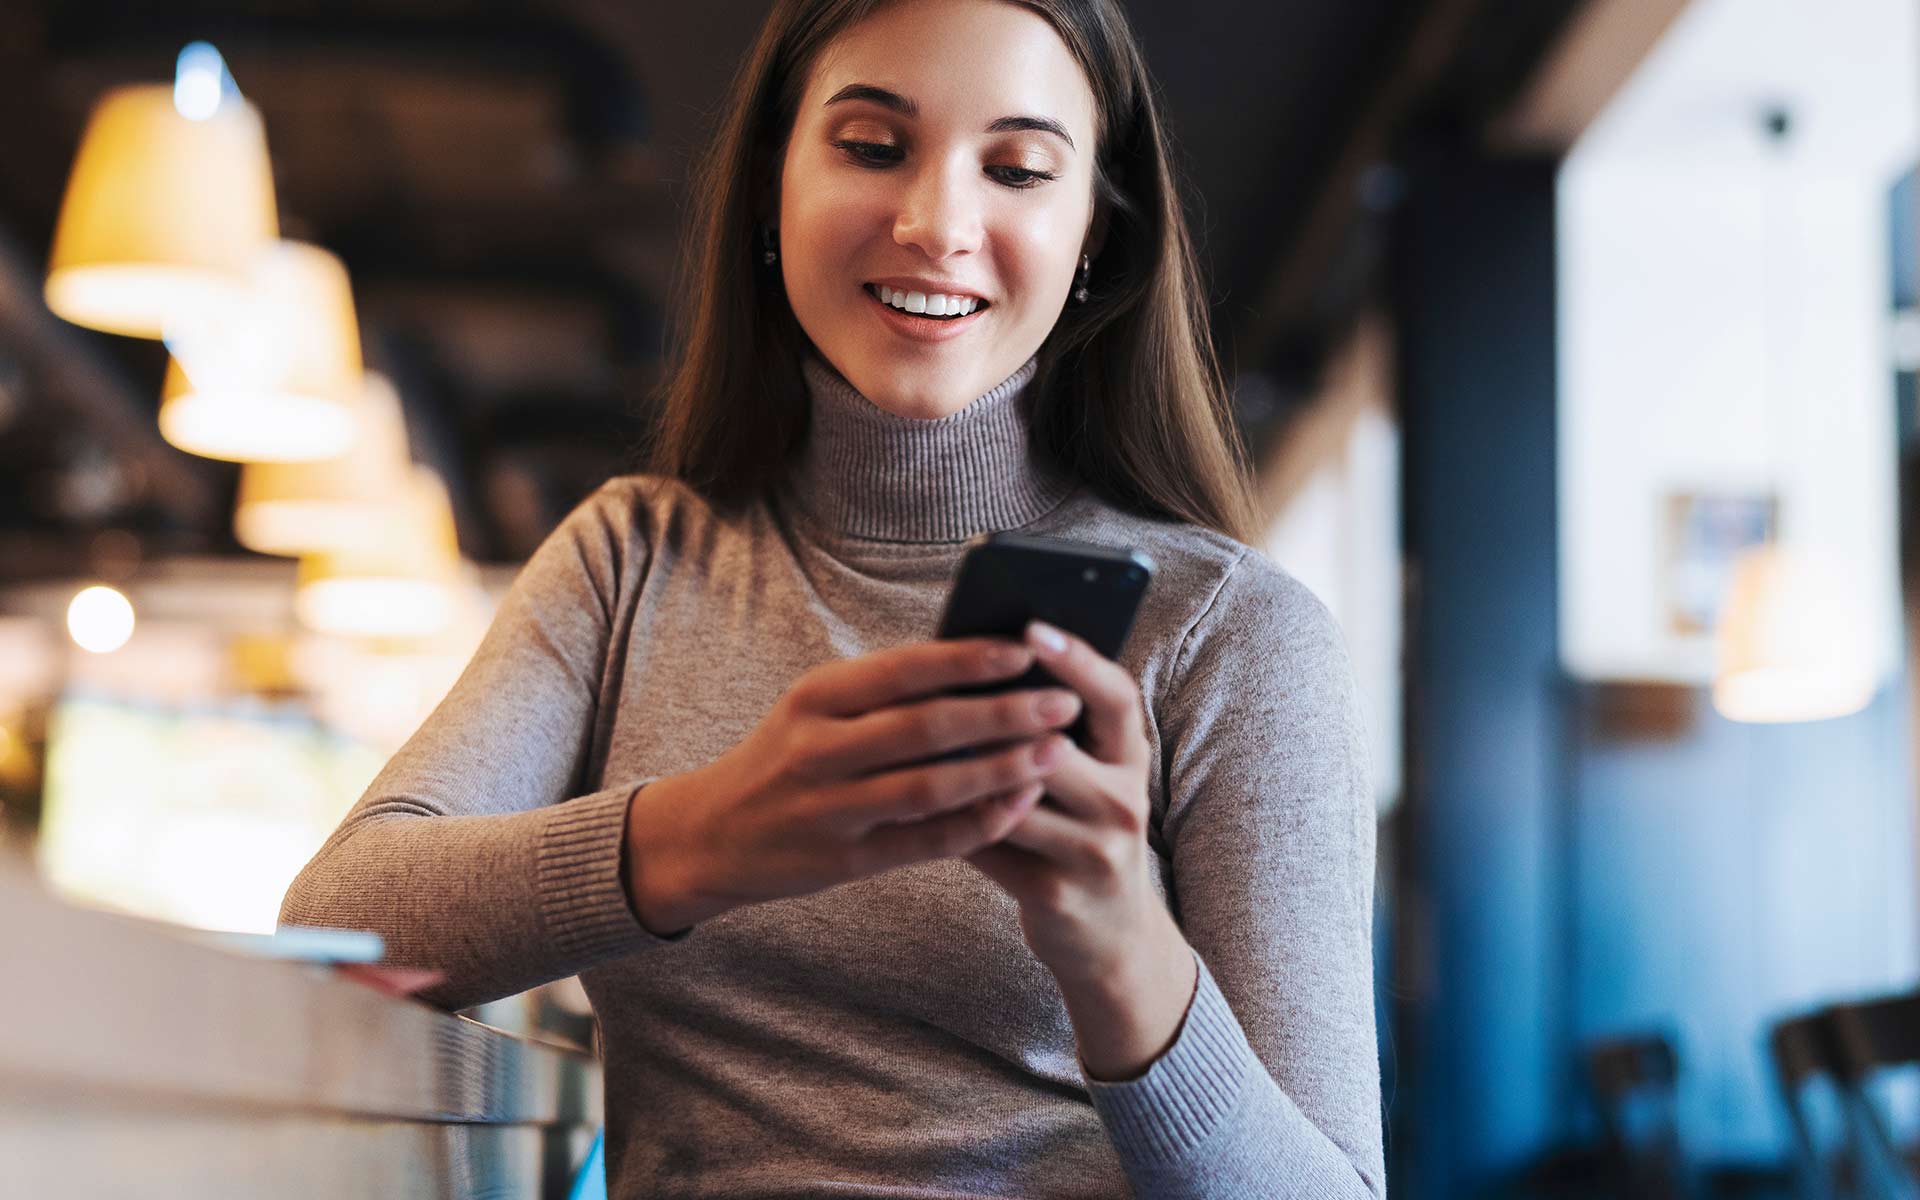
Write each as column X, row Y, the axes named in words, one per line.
column 768, row 254
column 1086, row 269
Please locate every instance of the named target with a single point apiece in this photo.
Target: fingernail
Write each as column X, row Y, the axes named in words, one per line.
column 1055, row 706
column 1045, row 637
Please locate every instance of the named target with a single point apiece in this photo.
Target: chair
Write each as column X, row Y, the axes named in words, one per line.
column 1635, row 1081
column 1869, row 1038
column 1806, row 1069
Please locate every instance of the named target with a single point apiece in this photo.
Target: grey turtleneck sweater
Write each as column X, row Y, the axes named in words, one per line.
column 893, row 1036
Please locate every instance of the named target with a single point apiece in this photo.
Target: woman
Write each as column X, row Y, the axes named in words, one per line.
column 689, row 764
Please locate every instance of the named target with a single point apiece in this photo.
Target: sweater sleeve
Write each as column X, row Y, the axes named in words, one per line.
column 1272, row 1085
column 473, row 851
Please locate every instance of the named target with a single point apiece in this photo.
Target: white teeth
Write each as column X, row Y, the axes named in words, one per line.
column 933, row 305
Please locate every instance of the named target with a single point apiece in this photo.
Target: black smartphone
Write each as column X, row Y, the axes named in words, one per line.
column 1008, row 579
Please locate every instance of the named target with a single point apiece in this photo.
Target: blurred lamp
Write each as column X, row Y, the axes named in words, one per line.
column 1791, row 641
column 405, row 582
column 100, row 619
column 333, row 503
column 163, row 212
column 272, row 377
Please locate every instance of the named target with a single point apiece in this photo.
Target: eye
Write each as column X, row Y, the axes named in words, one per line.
column 873, row 154
column 1020, row 177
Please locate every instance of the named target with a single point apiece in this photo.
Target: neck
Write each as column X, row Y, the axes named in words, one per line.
column 869, row 473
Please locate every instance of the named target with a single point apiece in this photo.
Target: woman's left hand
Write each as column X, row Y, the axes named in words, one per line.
column 1079, row 871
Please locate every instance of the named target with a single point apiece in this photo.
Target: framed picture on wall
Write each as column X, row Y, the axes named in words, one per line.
column 1705, row 531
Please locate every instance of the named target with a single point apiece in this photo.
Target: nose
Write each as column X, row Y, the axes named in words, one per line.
column 940, row 213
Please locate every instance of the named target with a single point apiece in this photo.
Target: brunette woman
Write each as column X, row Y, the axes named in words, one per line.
column 939, row 284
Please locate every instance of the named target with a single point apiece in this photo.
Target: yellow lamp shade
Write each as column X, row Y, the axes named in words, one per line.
column 162, row 214
column 1792, row 641
column 404, row 582
column 261, row 663
column 274, row 376
column 330, row 504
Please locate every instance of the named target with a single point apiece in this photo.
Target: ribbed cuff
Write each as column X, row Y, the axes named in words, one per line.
column 583, row 898
column 1188, row 1092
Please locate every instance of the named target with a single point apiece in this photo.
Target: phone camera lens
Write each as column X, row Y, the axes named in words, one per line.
column 1133, row 573
column 1090, row 574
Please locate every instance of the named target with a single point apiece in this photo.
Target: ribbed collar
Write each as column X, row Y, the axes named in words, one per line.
column 869, row 473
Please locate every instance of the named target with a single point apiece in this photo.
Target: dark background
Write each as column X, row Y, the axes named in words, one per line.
column 505, row 182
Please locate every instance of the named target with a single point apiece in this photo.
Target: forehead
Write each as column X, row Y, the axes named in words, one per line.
column 964, row 61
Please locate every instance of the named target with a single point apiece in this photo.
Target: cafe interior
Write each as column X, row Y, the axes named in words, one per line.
column 1574, row 346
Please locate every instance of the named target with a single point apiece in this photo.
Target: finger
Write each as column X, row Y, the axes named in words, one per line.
column 1062, row 840
column 392, row 981
column 947, row 835
column 852, row 686
column 907, row 733
column 1115, row 728
column 930, row 789
column 1081, row 786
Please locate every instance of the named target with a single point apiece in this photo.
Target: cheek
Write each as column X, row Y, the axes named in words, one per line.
column 1040, row 252
column 821, row 216
column 818, row 229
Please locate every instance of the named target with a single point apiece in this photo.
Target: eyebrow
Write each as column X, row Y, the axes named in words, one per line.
column 907, row 108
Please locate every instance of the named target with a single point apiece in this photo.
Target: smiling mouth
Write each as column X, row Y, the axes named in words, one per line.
column 898, row 301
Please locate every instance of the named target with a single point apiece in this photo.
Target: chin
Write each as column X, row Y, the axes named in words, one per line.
column 917, row 392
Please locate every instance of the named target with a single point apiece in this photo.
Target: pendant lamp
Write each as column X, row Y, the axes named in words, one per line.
column 272, row 376
column 163, row 212
column 1792, row 642
column 405, row 582
column 330, row 504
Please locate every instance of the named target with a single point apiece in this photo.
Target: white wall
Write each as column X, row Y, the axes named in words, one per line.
column 1724, row 312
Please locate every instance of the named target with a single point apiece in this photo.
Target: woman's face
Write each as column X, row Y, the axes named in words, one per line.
column 941, row 147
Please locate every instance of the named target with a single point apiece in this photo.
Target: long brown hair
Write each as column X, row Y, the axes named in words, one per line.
column 1130, row 396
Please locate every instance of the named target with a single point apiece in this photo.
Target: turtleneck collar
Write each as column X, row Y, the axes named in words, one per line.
column 869, row 473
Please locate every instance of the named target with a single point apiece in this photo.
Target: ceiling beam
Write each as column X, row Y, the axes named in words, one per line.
column 1359, row 376
column 1601, row 48
column 1287, row 301
column 604, row 104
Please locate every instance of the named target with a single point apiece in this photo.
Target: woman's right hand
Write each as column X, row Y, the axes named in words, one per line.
column 832, row 785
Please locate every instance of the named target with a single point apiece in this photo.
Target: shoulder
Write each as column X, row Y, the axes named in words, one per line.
column 1263, row 609
column 1212, row 597
column 637, row 513
column 610, row 537
column 633, row 500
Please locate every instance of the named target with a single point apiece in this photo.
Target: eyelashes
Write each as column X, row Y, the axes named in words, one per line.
column 879, row 155
column 871, row 154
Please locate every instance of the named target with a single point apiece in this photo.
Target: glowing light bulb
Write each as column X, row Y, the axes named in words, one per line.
column 200, row 81
column 100, row 619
